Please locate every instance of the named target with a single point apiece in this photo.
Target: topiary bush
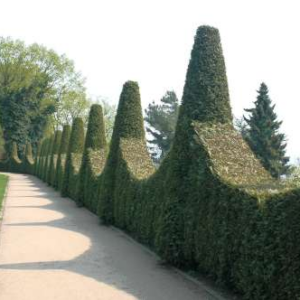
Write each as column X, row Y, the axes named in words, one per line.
column 128, row 124
column 61, row 160
column 48, row 151
column 37, row 158
column 28, row 161
column 93, row 159
column 53, row 158
column 73, row 160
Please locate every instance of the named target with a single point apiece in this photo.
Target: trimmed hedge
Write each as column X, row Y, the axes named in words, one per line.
column 61, row 160
column 73, row 160
column 28, row 161
column 128, row 124
column 93, row 159
column 53, row 158
column 210, row 206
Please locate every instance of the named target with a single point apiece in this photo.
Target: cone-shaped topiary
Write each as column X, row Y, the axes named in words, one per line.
column 73, row 159
column 28, row 161
column 95, row 140
column 128, row 124
column 206, row 95
column 53, row 157
column 37, row 158
column 47, row 158
column 42, row 157
column 205, row 99
column 64, row 144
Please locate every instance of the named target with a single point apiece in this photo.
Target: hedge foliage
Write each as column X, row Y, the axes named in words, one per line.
column 210, row 206
column 73, row 159
column 53, row 158
column 61, row 159
column 93, row 159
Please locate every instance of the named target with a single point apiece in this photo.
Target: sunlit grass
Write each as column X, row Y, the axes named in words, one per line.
column 3, row 182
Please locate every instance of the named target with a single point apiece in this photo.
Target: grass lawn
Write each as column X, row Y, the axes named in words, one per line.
column 3, row 182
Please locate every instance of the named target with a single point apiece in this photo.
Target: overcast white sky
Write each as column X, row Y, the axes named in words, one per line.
column 114, row 41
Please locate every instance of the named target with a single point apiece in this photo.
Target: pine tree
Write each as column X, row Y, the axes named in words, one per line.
column 264, row 137
column 162, row 119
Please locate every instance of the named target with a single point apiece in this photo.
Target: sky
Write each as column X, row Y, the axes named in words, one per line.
column 112, row 41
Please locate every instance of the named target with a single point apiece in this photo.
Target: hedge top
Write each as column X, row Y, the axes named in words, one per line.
column 206, row 95
column 57, row 140
column 129, row 120
column 65, row 139
column 95, row 136
column 76, row 143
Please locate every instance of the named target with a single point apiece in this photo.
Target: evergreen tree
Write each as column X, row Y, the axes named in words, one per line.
column 263, row 134
column 162, row 119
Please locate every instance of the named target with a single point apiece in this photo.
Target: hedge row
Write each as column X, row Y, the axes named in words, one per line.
column 210, row 206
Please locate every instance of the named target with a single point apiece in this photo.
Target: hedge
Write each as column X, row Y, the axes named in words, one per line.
column 53, row 158
column 210, row 206
column 93, row 159
column 73, row 160
column 61, row 160
column 28, row 161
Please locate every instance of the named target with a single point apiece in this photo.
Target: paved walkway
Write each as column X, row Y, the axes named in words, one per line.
column 50, row 249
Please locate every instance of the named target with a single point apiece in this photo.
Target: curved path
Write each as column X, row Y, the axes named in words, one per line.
column 50, row 249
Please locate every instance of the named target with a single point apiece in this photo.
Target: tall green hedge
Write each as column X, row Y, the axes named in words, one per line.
column 128, row 124
column 28, row 161
column 48, row 151
column 53, row 157
column 210, row 206
column 62, row 153
column 93, row 158
column 73, row 160
column 37, row 158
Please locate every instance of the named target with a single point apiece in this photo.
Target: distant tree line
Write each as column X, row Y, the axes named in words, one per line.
column 39, row 92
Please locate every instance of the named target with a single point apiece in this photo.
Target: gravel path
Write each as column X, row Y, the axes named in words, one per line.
column 50, row 249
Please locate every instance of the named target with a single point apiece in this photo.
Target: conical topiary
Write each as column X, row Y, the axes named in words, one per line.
column 76, row 146
column 95, row 140
column 47, row 158
column 37, row 158
column 128, row 124
column 205, row 99
column 53, row 156
column 64, row 144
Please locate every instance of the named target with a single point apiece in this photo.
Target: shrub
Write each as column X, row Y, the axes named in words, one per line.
column 93, row 159
column 61, row 160
column 73, row 160
column 128, row 124
column 28, row 161
column 53, row 158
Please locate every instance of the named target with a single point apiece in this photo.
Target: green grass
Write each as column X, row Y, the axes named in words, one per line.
column 3, row 183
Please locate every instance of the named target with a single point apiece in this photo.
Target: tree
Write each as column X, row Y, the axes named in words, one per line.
column 264, row 137
column 71, row 105
column 162, row 119
column 241, row 126
column 33, row 82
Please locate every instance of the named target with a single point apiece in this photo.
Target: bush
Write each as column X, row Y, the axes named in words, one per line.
column 61, row 160
column 53, row 158
column 73, row 160
column 128, row 124
column 93, row 159
column 28, row 161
